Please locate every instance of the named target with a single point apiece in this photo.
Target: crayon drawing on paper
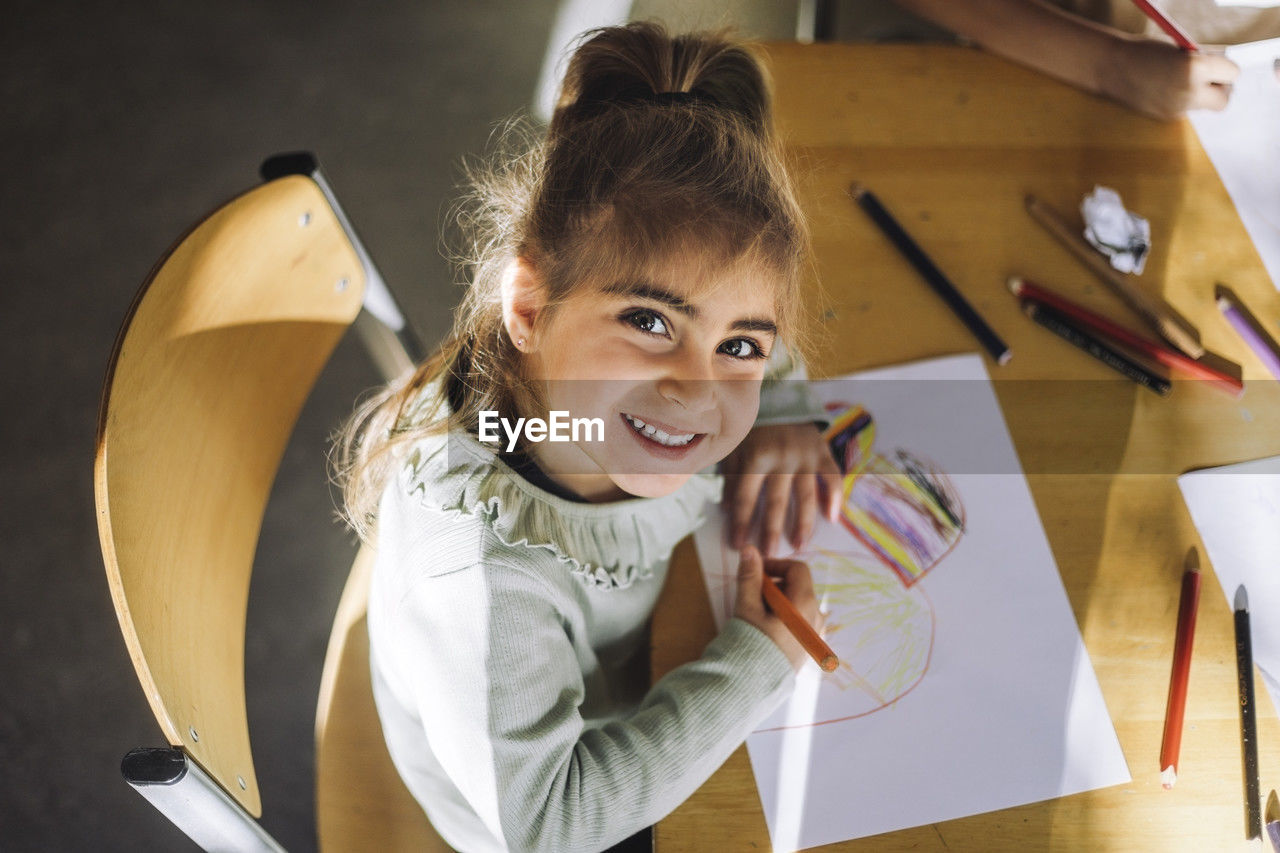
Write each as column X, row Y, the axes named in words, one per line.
column 963, row 684
column 902, row 516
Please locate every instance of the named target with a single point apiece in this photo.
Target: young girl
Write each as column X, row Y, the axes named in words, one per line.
column 639, row 268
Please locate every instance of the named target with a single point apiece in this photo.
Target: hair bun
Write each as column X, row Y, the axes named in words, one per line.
column 640, row 63
column 677, row 98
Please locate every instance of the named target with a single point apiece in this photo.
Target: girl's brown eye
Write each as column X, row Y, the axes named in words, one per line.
column 646, row 321
column 741, row 348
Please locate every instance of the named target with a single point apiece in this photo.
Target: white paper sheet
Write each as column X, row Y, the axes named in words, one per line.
column 964, row 691
column 1243, row 141
column 1237, row 511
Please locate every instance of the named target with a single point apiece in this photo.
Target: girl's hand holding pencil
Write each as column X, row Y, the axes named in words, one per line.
column 777, row 597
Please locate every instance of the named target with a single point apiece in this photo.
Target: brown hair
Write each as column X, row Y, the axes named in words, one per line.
column 660, row 148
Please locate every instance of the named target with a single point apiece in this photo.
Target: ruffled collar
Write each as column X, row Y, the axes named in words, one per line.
column 608, row 545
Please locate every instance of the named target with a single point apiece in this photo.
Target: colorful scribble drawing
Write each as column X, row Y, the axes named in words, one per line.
column 903, row 508
column 903, row 516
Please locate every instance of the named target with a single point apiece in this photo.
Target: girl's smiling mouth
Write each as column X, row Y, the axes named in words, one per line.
column 661, row 440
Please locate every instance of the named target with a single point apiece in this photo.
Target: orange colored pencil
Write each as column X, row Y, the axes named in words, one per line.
column 799, row 626
column 1177, row 704
column 1171, row 358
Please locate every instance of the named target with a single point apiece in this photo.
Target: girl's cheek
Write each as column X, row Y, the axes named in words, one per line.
column 742, row 404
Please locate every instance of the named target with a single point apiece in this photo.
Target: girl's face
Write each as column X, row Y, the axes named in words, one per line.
column 672, row 369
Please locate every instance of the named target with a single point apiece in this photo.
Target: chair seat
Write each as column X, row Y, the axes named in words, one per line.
column 361, row 802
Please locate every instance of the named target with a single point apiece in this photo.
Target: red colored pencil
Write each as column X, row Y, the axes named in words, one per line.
column 1177, row 704
column 1021, row 287
column 1167, row 24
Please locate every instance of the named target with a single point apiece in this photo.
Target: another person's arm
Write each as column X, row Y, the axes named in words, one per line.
column 1150, row 76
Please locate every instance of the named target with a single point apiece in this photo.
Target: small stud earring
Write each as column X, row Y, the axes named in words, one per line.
column 520, row 343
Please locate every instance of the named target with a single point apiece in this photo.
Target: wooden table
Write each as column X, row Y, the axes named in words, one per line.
column 952, row 139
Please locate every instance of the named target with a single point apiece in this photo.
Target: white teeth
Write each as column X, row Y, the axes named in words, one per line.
column 658, row 435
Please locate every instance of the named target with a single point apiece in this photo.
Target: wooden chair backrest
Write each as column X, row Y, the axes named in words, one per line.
column 217, row 356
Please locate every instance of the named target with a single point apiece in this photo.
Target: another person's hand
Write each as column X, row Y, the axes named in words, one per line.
column 773, row 466
column 797, row 585
column 1164, row 81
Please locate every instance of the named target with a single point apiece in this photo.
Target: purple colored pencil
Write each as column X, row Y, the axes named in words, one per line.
column 1263, row 349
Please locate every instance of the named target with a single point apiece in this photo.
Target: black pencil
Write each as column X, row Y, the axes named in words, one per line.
column 1248, row 722
column 1061, row 325
column 934, row 276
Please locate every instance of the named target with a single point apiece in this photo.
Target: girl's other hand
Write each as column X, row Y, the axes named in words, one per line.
column 797, row 585
column 1163, row 81
column 774, row 466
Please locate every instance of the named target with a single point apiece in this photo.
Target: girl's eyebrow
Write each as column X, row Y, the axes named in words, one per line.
column 755, row 324
column 657, row 293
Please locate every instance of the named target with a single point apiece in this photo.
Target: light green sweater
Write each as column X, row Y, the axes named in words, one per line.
column 505, row 625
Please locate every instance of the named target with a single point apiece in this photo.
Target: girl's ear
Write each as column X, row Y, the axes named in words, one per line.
column 523, row 299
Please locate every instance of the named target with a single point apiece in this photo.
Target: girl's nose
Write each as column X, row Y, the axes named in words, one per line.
column 692, row 395
column 690, row 384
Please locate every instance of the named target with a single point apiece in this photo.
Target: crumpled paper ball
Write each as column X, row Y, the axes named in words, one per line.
column 1124, row 237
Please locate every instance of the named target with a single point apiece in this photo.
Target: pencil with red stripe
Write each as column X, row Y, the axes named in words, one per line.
column 1177, row 705
column 1167, row 24
column 1171, row 358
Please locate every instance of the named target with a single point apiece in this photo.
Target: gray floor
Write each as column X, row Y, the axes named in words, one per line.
column 122, row 124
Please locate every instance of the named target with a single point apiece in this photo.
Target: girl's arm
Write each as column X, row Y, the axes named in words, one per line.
column 1152, row 77
column 498, row 683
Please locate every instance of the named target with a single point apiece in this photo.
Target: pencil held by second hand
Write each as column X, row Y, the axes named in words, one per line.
column 1170, row 26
